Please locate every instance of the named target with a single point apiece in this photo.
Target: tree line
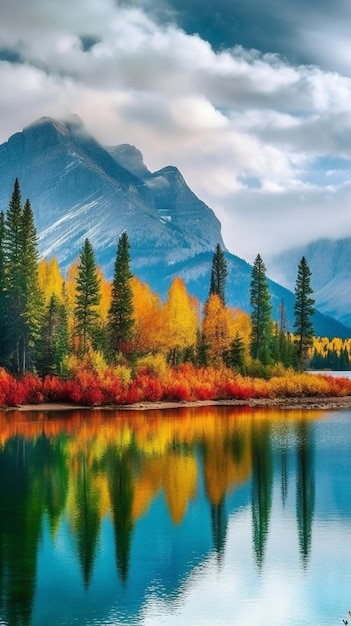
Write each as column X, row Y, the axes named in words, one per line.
column 48, row 320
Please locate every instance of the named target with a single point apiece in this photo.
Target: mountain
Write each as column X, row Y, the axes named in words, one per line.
column 79, row 188
column 330, row 264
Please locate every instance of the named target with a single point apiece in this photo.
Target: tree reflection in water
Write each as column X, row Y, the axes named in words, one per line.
column 86, row 467
column 305, row 488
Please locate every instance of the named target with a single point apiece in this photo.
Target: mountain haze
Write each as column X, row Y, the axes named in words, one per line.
column 79, row 188
column 330, row 263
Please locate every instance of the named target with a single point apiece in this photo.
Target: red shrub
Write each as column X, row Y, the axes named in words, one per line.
column 177, row 391
column 14, row 394
column 150, row 388
column 72, row 392
column 93, row 396
column 237, row 389
column 203, row 391
column 130, row 394
column 31, row 389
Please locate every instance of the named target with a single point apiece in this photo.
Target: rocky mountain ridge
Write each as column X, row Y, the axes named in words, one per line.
column 79, row 188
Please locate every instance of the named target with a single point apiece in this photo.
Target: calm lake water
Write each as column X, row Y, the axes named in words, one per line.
column 193, row 517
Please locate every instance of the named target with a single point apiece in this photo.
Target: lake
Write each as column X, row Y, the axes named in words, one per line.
column 212, row 516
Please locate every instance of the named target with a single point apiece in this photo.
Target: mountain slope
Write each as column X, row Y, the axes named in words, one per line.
column 80, row 189
column 330, row 264
column 196, row 274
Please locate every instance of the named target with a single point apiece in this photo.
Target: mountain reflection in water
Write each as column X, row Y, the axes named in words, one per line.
column 192, row 516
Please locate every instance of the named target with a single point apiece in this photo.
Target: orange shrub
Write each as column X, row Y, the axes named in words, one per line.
column 183, row 383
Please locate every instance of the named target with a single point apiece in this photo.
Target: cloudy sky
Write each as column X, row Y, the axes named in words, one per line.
column 251, row 99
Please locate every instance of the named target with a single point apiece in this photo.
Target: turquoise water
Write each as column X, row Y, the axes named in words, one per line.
column 199, row 517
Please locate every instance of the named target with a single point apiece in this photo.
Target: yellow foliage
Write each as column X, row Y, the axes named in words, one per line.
column 180, row 480
column 92, row 361
column 323, row 345
column 123, row 373
column 216, row 328
column 180, row 318
column 50, row 279
column 147, row 485
column 153, row 364
column 147, row 317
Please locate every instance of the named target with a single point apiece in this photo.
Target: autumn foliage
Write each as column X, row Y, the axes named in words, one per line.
column 97, row 343
column 185, row 383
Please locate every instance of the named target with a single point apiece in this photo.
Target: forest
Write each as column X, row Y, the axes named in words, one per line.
column 87, row 340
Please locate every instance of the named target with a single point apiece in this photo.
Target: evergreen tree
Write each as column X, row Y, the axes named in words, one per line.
column 54, row 338
column 2, row 293
column 201, row 350
column 261, row 321
column 13, row 277
column 236, row 354
column 87, row 298
column 22, row 295
column 303, row 310
column 344, row 360
column 32, row 313
column 219, row 273
column 120, row 316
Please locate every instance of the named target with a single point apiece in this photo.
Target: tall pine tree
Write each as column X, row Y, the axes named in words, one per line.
column 21, row 295
column 261, row 311
column 219, row 273
column 12, row 240
column 87, row 299
column 33, row 308
column 303, row 310
column 2, row 293
column 120, row 316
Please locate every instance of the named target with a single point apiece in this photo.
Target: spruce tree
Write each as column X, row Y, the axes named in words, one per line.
column 236, row 354
column 22, row 297
column 32, row 314
column 2, row 293
column 120, row 316
column 219, row 273
column 87, row 298
column 261, row 321
column 14, row 279
column 202, row 349
column 303, row 310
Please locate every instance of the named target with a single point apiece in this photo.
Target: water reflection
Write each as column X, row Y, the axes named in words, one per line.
column 305, row 488
column 262, row 483
column 103, row 514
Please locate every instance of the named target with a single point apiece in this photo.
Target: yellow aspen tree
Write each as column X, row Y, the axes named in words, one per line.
column 216, row 328
column 50, row 279
column 180, row 320
column 147, row 317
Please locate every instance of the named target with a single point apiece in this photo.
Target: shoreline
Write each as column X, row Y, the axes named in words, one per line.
column 294, row 402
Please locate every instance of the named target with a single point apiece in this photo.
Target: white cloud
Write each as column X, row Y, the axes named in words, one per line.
column 224, row 119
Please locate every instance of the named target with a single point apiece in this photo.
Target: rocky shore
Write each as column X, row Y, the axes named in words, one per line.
column 296, row 402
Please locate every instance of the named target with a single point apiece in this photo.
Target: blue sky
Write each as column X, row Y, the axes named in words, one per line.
column 251, row 100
